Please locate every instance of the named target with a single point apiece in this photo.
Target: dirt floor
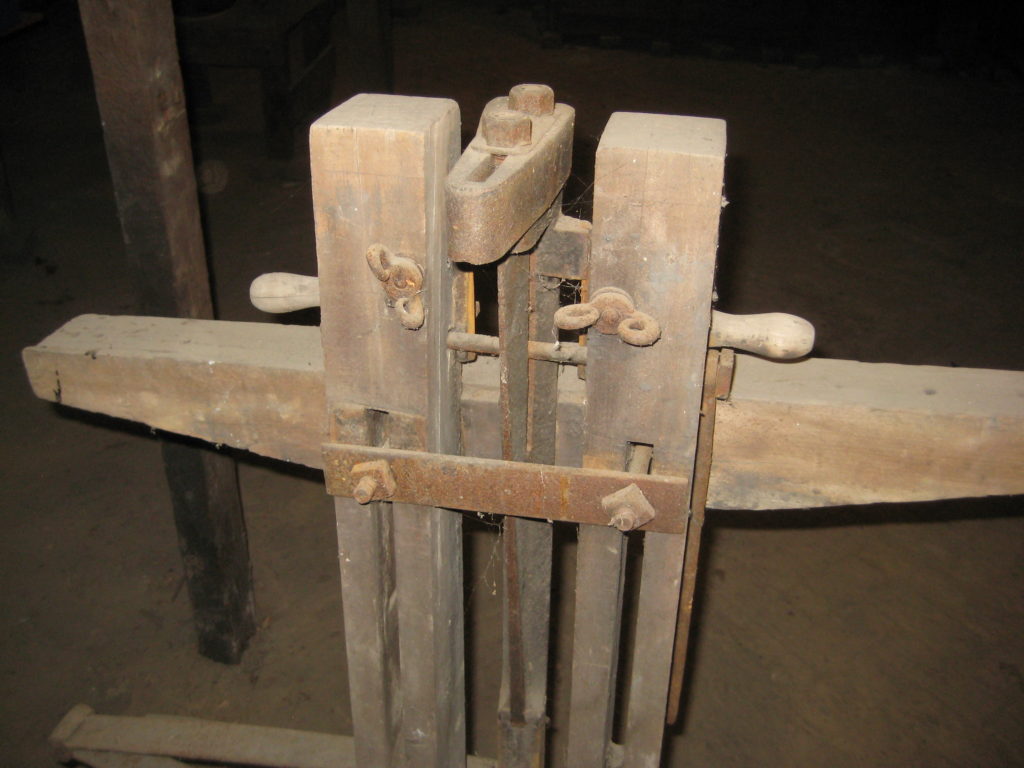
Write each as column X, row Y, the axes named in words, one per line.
column 885, row 205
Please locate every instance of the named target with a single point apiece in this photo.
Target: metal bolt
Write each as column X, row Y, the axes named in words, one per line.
column 365, row 489
column 628, row 508
column 533, row 99
column 374, row 481
column 506, row 128
column 623, row 518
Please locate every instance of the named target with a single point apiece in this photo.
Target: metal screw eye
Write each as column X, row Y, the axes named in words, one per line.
column 640, row 330
column 576, row 317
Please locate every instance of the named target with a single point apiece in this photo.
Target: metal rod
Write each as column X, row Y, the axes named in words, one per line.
column 565, row 352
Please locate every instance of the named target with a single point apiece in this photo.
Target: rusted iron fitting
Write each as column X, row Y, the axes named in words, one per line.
column 628, row 508
column 611, row 310
column 373, row 481
column 402, row 280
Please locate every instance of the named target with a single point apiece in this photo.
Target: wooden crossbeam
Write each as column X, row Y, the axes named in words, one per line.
column 814, row 433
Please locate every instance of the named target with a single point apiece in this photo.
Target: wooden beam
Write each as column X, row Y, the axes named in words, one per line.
column 379, row 164
column 134, row 62
column 852, row 433
column 657, row 200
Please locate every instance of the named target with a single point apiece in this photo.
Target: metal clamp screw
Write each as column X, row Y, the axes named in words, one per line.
column 611, row 310
column 403, row 282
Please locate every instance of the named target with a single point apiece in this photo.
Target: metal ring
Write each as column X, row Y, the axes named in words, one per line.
column 576, row 317
column 640, row 330
column 410, row 312
column 377, row 257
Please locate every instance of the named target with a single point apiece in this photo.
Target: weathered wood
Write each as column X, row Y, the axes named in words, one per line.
column 526, row 544
column 698, row 505
column 379, row 164
column 83, row 731
column 823, row 433
column 856, row 433
column 657, row 198
column 134, row 62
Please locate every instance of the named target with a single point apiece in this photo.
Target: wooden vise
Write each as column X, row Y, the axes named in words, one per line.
column 412, row 430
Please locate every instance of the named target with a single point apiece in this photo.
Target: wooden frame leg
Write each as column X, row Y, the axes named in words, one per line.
column 134, row 61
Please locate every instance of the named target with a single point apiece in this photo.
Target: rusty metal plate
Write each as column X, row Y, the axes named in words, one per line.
column 566, row 494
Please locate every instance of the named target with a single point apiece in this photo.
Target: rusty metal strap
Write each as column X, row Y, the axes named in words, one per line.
column 566, row 494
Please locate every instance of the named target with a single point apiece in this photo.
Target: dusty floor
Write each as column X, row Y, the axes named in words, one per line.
column 885, row 205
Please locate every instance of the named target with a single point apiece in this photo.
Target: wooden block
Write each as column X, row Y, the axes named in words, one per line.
column 657, row 198
column 379, row 164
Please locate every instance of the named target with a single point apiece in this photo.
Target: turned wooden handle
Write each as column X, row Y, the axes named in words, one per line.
column 773, row 334
column 284, row 292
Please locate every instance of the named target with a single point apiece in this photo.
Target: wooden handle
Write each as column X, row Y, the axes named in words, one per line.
column 284, row 292
column 773, row 334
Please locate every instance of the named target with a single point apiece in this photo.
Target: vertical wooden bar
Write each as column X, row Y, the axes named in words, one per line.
column 134, row 62
column 698, row 500
column 378, row 169
column 526, row 544
column 657, row 198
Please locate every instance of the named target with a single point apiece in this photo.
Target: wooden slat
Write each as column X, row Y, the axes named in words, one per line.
column 854, row 433
column 82, row 732
column 526, row 544
column 379, row 164
column 139, row 92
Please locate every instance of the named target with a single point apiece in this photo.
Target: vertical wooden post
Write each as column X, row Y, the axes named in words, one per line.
column 138, row 87
column 378, row 168
column 657, row 199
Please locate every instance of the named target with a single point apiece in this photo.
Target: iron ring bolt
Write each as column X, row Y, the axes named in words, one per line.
column 575, row 317
column 410, row 312
column 640, row 330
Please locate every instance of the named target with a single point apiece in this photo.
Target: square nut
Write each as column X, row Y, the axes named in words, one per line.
column 628, row 508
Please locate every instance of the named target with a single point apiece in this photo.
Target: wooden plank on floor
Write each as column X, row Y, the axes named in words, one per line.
column 379, row 165
column 134, row 60
column 84, row 733
column 853, row 433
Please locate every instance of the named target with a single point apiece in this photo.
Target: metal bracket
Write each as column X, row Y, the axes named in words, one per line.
column 509, row 488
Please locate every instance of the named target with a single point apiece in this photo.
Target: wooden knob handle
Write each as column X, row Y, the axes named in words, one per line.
column 284, row 292
column 774, row 334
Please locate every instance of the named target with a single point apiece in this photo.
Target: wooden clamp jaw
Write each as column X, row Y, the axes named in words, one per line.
column 500, row 193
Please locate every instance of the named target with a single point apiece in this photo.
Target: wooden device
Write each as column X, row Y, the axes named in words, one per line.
column 413, row 429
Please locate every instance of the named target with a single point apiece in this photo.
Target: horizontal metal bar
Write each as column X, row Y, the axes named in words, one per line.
column 565, row 352
column 567, row 494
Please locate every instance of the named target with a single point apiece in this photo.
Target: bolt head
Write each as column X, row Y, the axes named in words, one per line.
column 532, row 98
column 507, row 128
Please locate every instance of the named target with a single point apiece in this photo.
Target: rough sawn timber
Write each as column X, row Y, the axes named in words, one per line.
column 813, row 433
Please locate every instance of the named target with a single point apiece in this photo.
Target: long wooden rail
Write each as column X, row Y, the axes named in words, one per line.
column 808, row 434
